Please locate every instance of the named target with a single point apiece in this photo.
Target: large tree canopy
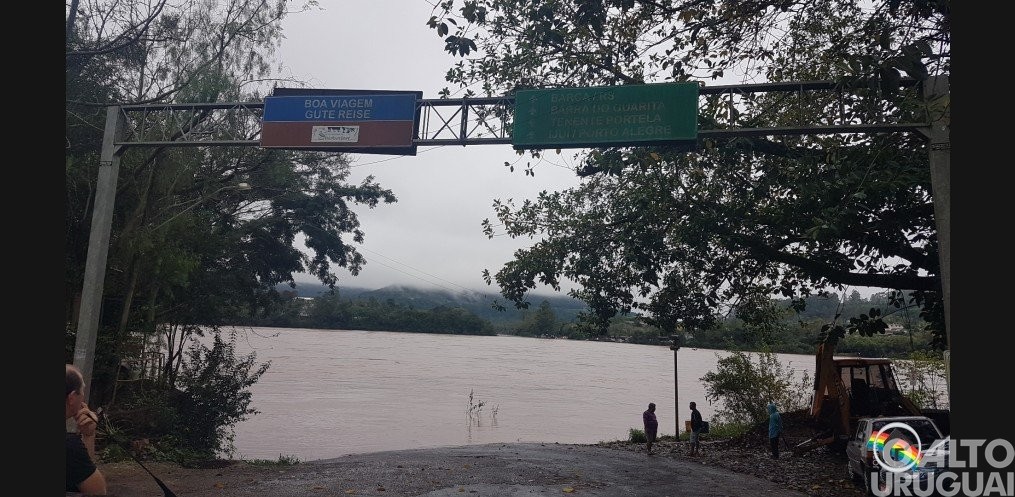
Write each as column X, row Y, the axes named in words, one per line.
column 687, row 234
column 547, row 43
column 199, row 234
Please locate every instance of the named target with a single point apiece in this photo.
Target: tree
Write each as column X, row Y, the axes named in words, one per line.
column 743, row 388
column 542, row 322
column 188, row 246
column 138, row 52
column 521, row 43
column 690, row 234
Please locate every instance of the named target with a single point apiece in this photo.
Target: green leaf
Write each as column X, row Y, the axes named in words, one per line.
column 885, row 39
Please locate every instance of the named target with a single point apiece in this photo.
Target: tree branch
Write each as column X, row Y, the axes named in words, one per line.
column 835, row 275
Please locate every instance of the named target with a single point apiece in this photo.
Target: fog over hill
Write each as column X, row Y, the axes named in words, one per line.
column 483, row 304
column 480, row 303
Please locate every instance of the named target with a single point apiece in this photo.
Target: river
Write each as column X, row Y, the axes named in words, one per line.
column 330, row 393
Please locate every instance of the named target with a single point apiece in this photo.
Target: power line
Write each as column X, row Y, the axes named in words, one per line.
column 390, row 158
column 414, row 269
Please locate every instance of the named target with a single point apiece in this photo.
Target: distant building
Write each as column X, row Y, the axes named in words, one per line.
column 305, row 303
column 895, row 329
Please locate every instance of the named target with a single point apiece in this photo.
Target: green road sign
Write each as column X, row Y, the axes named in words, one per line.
column 649, row 114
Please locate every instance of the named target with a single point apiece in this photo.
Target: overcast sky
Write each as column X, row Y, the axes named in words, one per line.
column 432, row 237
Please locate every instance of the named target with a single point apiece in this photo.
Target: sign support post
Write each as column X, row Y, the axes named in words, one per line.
column 98, row 248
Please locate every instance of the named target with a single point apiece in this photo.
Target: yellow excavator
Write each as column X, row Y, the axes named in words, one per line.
column 848, row 389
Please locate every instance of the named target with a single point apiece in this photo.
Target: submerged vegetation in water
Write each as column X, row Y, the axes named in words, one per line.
column 475, row 408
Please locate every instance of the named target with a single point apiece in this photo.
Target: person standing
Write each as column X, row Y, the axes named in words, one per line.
column 651, row 425
column 696, row 425
column 82, row 475
column 774, row 429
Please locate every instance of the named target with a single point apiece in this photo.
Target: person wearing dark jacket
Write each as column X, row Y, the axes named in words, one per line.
column 696, row 426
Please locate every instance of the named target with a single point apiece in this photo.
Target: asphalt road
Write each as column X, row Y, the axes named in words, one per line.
column 493, row 470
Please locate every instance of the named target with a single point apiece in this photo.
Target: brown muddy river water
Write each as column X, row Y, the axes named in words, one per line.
column 330, row 393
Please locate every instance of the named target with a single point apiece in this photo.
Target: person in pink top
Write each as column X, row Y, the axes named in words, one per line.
column 651, row 425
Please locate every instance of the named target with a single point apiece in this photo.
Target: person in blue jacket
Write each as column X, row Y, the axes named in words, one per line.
column 774, row 429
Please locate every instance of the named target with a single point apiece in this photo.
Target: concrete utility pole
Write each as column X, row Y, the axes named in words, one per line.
column 937, row 95
column 98, row 248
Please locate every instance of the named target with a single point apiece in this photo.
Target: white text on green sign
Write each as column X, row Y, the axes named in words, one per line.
column 606, row 116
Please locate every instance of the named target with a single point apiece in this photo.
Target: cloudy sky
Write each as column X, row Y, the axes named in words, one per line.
column 432, row 237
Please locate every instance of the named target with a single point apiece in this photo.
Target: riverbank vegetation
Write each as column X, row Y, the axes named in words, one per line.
column 783, row 328
column 332, row 312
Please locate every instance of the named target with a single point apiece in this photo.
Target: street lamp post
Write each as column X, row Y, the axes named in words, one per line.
column 676, row 388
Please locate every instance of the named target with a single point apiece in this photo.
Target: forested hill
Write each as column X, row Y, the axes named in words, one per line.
column 564, row 307
column 479, row 303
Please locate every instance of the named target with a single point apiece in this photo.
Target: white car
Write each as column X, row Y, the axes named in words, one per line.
column 872, row 434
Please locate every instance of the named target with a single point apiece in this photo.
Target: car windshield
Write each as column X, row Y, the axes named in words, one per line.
column 924, row 428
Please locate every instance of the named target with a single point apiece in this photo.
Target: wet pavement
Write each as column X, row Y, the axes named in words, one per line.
column 492, row 470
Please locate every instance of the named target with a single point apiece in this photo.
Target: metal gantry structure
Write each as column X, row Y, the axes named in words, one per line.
column 462, row 121
column 470, row 121
column 485, row 121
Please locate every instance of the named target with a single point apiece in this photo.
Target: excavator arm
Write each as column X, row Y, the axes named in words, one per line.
column 830, row 405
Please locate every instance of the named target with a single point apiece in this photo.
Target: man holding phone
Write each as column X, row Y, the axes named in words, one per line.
column 82, row 475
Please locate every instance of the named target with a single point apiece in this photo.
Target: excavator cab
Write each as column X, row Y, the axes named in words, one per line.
column 872, row 389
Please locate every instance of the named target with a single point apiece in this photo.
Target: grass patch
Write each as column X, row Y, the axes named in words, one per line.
column 728, row 430
column 637, row 436
column 716, row 431
column 720, row 431
column 283, row 460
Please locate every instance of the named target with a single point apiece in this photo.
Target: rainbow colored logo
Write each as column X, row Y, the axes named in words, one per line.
column 901, row 450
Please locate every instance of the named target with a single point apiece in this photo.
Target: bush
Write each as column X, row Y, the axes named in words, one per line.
column 191, row 421
column 922, row 379
column 215, row 395
column 727, row 430
column 744, row 388
column 636, row 436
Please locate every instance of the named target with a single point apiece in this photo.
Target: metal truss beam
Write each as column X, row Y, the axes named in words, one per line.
column 487, row 120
